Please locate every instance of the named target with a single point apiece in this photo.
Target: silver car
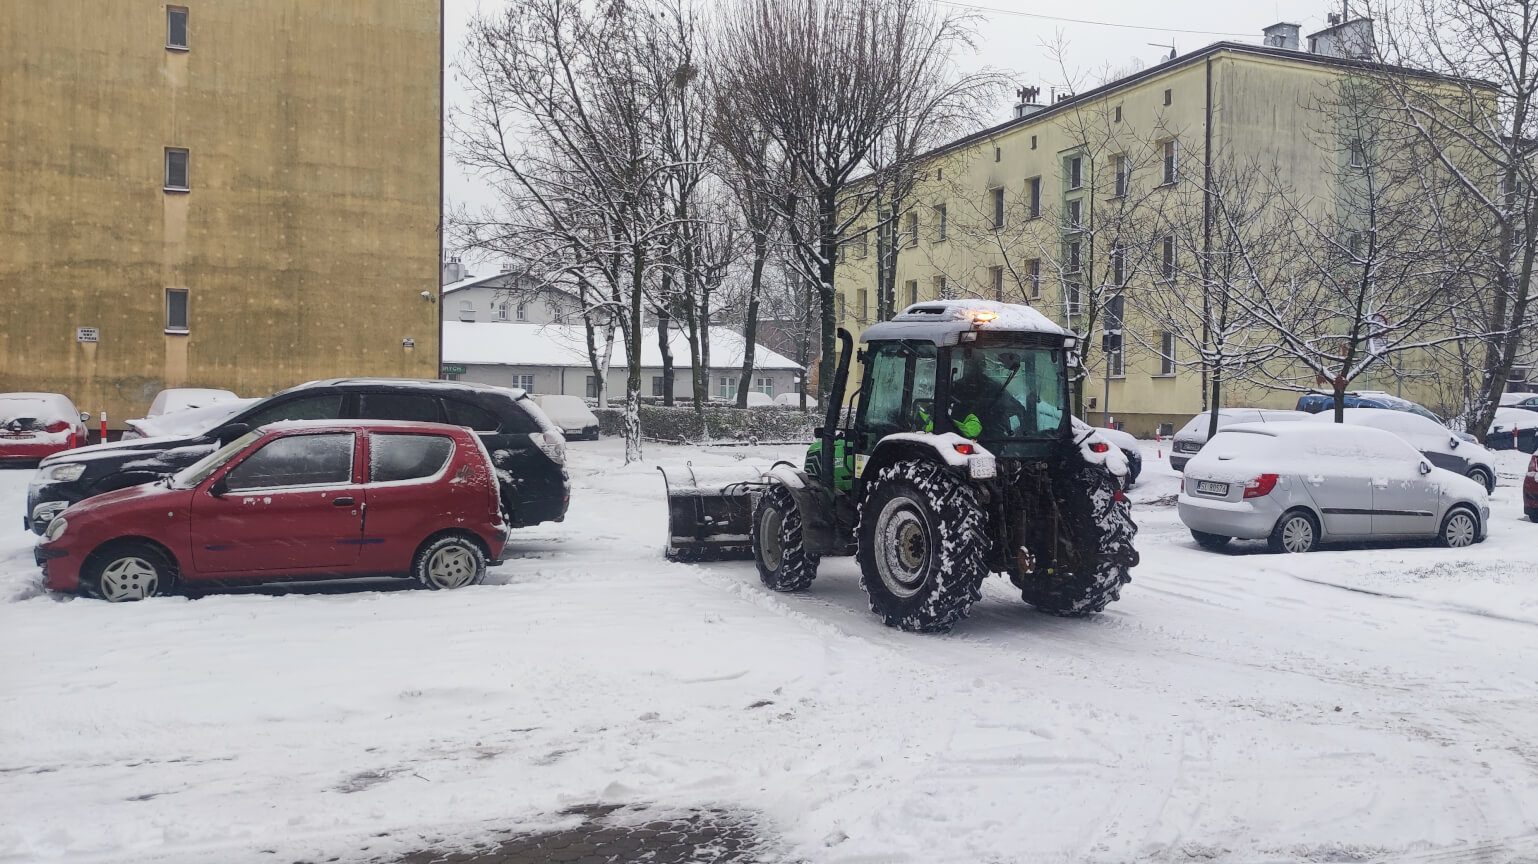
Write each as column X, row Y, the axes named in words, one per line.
column 1297, row 485
column 1189, row 440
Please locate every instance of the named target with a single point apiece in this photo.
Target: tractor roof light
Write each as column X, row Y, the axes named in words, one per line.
column 983, row 317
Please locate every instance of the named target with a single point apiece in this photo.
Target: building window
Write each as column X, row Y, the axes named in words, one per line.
column 524, row 381
column 592, row 387
column 502, row 311
column 1358, row 155
column 1118, row 265
column 1075, row 172
column 913, row 291
column 1116, row 363
column 841, row 308
column 1033, row 276
column 176, row 310
column 1033, row 142
column 996, row 154
column 764, row 385
column 177, row 176
column 523, row 311
column 1355, row 243
column 941, row 291
column 939, row 222
column 1123, row 174
column 998, row 208
column 1071, row 296
column 996, row 277
column 912, row 233
column 466, row 310
column 1075, row 214
column 1167, row 258
column 864, row 305
column 1033, row 196
column 861, row 245
column 1169, row 97
column 726, row 387
column 1166, row 353
column 1117, row 114
column 1073, row 257
column 657, row 386
column 176, row 28
column 1171, row 151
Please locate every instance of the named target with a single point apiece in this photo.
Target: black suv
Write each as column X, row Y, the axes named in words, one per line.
column 525, row 446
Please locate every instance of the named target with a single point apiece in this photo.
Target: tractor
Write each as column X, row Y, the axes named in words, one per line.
column 957, row 457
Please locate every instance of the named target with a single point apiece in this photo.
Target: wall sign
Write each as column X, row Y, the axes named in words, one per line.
column 408, row 342
column 452, row 369
column 87, row 334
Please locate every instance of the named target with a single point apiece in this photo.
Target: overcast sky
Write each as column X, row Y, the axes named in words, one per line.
column 1011, row 33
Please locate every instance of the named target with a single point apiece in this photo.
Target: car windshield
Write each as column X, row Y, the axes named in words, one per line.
column 195, row 473
column 1015, row 393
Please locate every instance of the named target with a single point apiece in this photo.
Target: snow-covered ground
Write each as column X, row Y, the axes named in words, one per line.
column 1336, row 706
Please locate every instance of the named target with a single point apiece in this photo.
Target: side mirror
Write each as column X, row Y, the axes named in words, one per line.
column 85, row 416
column 220, row 488
column 229, row 433
column 1453, row 442
column 1425, row 467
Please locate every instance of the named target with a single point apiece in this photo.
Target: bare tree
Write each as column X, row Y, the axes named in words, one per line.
column 828, row 79
column 1476, row 129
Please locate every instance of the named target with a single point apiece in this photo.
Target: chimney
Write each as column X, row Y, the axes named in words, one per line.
column 1282, row 35
column 453, row 271
column 1350, row 40
column 1029, row 101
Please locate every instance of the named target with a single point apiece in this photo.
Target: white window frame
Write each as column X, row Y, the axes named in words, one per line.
column 186, row 28
column 997, row 207
column 186, row 169
column 525, row 381
column 764, row 384
column 1169, row 158
column 940, row 226
column 186, row 325
column 726, row 387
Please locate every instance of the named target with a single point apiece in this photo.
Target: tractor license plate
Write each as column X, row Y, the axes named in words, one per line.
column 1208, row 487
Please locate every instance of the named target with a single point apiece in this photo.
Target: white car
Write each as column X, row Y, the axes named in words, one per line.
column 188, row 421
column 571, row 414
column 1129, row 448
column 1296, row 485
column 182, row 398
column 1444, row 447
column 793, row 400
column 1513, row 429
column 1189, row 440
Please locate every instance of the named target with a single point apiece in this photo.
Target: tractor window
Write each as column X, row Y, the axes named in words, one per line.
column 1015, row 393
column 899, row 388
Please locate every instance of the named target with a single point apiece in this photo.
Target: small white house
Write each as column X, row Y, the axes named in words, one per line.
column 507, row 297
column 552, row 358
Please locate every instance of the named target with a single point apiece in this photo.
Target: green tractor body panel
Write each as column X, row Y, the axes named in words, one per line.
column 843, row 464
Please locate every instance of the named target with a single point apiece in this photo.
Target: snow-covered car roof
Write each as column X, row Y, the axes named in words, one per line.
column 1119, row 438
column 943, row 321
column 1507, row 419
column 182, row 398
column 1197, row 425
column 189, row 421
column 1288, row 447
column 1420, row 431
column 13, row 405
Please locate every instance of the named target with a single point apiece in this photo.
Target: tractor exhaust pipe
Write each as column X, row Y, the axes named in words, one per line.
column 829, row 430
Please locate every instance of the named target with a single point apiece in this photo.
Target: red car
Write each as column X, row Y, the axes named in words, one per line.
column 303, row 500
column 37, row 425
column 1530, row 489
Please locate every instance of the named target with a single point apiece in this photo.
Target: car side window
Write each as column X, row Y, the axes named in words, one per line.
column 307, row 408
column 295, row 460
column 464, row 414
column 398, row 406
column 395, row 457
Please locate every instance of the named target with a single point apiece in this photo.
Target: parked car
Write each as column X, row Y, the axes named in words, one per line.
column 1129, row 448
column 182, row 398
column 1530, row 489
column 793, row 400
column 527, row 449
column 1525, row 401
column 34, row 426
column 291, row 500
column 571, row 414
column 759, row 400
column 1189, row 440
column 1297, row 485
column 1314, row 403
column 187, row 421
column 1513, row 429
column 1436, row 442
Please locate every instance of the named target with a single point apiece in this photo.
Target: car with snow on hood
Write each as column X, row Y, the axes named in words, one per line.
column 571, row 414
column 34, row 426
column 1193, row 436
column 301, row 500
column 1298, row 485
column 528, row 451
column 1445, row 448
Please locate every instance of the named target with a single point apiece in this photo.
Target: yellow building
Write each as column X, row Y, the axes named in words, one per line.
column 1025, row 211
column 217, row 194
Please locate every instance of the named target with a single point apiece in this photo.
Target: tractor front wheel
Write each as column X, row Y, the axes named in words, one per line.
column 923, row 547
column 778, row 548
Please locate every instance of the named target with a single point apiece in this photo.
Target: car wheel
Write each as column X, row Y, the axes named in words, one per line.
column 125, row 572
column 1296, row 531
column 1209, row 541
column 1460, row 529
column 1483, row 478
column 451, row 561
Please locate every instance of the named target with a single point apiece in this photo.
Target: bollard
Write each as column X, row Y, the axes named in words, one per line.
column 103, row 428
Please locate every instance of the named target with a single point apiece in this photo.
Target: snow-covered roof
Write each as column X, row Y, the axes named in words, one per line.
column 941, row 321
column 506, row 343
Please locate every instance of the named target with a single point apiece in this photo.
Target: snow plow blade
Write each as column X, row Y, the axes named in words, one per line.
column 710, row 512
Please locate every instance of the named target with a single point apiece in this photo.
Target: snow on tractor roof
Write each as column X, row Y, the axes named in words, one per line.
column 943, row 321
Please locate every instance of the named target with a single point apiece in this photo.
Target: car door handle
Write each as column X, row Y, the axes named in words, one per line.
column 344, row 501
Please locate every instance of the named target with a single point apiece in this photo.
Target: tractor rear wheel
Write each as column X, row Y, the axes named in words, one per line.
column 778, row 548
column 923, row 547
column 1097, row 527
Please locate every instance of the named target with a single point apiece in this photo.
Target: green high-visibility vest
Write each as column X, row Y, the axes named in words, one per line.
column 969, row 426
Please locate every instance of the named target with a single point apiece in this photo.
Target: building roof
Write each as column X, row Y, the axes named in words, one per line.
column 502, row 343
column 472, row 281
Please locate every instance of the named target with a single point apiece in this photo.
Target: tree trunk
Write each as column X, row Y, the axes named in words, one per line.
column 750, row 321
column 1216, row 383
column 632, row 421
column 1340, row 398
column 664, row 319
column 827, row 249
